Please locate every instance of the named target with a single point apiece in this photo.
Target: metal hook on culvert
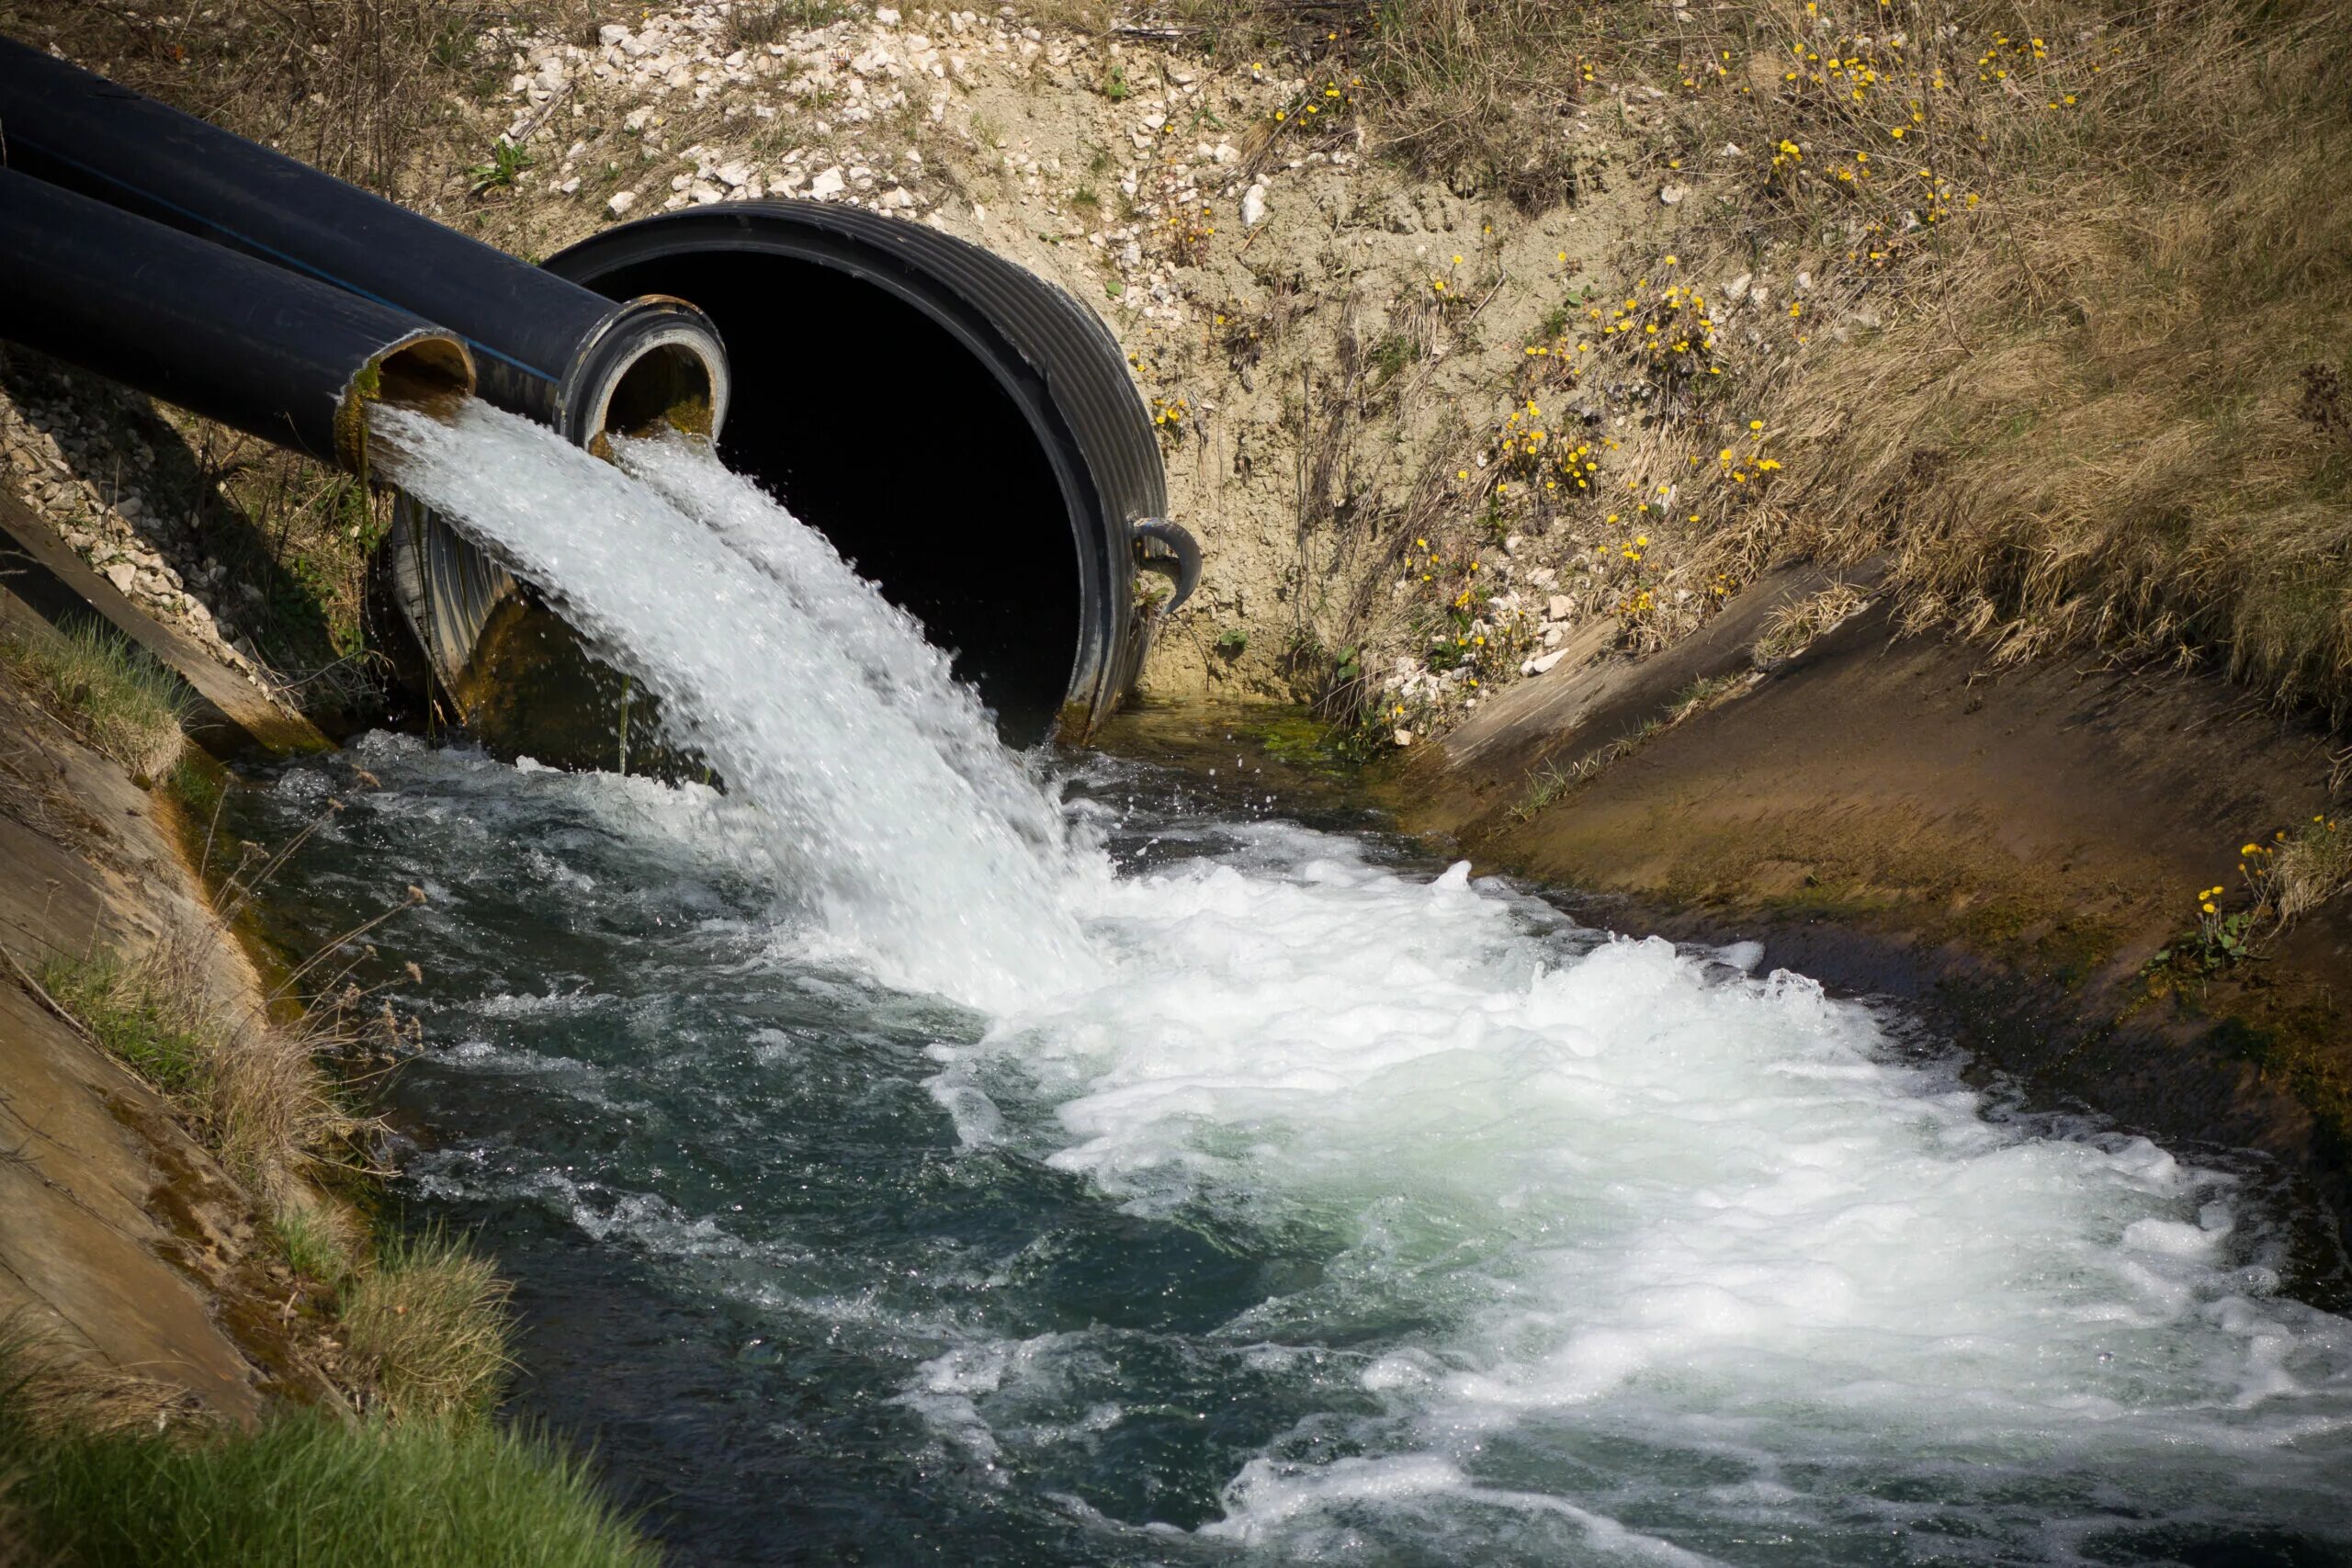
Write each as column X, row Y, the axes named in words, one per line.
column 1166, row 548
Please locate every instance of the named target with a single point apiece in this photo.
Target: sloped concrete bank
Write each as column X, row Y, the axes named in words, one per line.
column 130, row 1257
column 2007, row 849
column 126, row 1250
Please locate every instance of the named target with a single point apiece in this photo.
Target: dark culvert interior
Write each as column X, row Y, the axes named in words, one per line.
column 875, row 424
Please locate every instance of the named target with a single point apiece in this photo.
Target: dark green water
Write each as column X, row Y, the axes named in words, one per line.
column 1359, row 1216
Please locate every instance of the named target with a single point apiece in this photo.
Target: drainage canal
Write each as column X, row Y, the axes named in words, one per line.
column 904, row 1158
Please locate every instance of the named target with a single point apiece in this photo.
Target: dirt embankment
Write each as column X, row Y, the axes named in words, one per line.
column 126, row 1250
column 1329, row 343
column 2029, row 848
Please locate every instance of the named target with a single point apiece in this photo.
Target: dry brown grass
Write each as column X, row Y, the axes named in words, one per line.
column 429, row 1325
column 426, row 1319
column 1794, row 628
column 115, row 695
column 252, row 1087
column 2103, row 420
column 2309, row 867
column 51, row 1387
column 2074, row 353
column 1471, row 92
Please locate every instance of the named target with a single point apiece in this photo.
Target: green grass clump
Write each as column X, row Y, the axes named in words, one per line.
column 315, row 1245
column 158, row 1029
column 115, row 695
column 305, row 1488
column 429, row 1325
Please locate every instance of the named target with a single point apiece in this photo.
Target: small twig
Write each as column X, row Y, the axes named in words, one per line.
column 415, row 897
column 40, row 994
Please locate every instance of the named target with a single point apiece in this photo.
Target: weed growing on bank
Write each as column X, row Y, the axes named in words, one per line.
column 252, row 1090
column 303, row 1487
column 2285, row 877
column 428, row 1325
column 2311, row 866
column 1797, row 625
column 115, row 695
column 145, row 1014
column 317, row 1240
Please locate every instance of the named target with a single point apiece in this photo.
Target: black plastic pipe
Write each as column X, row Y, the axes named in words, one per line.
column 290, row 359
column 543, row 347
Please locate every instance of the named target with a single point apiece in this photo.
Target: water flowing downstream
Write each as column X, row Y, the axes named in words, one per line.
column 917, row 1153
column 887, row 810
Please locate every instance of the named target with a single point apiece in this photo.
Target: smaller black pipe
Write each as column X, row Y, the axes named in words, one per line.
column 546, row 348
column 288, row 359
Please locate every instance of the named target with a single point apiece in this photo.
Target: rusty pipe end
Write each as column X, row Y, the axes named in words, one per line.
column 427, row 370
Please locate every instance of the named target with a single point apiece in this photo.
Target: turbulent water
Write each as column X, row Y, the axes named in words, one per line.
column 887, row 810
column 915, row 1155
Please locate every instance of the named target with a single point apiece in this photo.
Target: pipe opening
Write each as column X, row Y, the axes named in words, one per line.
column 657, row 364
column 666, row 387
column 881, row 428
column 427, row 372
column 431, row 373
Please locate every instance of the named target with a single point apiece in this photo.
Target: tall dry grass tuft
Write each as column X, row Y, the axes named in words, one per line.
column 1795, row 627
column 1472, row 92
column 253, row 1087
column 116, row 695
column 276, row 1119
column 2309, row 867
column 1475, row 91
column 2110, row 427
column 50, row 1389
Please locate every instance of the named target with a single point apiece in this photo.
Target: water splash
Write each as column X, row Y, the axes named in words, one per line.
column 1558, row 1249
column 908, row 836
column 1689, row 1234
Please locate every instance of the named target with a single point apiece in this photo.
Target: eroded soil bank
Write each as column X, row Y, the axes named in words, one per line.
column 1891, row 815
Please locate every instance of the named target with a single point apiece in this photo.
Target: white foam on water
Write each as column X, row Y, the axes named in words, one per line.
column 913, row 840
column 1648, row 1193
column 1679, row 1243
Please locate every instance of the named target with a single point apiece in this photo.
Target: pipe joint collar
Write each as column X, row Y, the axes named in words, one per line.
column 654, row 364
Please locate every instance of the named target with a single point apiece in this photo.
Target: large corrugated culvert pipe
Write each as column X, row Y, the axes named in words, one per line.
column 962, row 430
column 288, row 359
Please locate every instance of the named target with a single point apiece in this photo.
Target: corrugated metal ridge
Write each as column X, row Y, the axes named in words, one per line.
column 1038, row 320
